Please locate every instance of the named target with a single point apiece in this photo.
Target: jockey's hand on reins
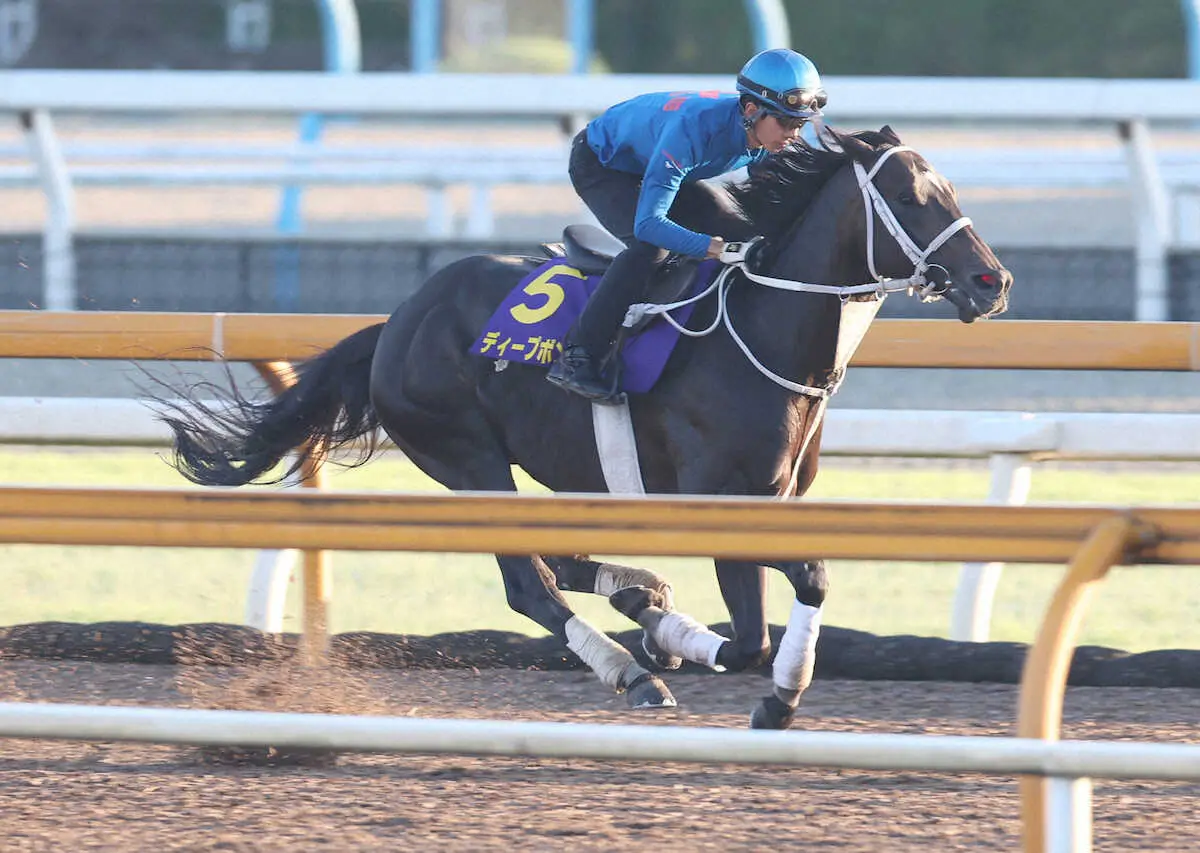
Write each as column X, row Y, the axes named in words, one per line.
column 739, row 254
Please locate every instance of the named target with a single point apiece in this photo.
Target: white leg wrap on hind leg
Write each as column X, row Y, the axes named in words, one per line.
column 603, row 655
column 610, row 578
column 797, row 653
column 680, row 635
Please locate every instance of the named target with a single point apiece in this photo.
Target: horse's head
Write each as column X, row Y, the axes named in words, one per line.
column 928, row 233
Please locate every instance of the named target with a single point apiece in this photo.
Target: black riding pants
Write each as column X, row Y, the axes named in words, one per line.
column 612, row 196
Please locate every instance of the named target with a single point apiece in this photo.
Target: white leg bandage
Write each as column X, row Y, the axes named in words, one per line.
column 610, row 578
column 680, row 635
column 798, row 650
column 607, row 658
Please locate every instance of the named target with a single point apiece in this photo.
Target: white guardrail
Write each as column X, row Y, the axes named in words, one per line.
column 1069, row 765
column 1013, row 441
column 1127, row 108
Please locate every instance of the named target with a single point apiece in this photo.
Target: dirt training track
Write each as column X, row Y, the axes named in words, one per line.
column 60, row 795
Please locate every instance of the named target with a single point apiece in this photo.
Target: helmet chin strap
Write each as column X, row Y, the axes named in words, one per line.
column 750, row 123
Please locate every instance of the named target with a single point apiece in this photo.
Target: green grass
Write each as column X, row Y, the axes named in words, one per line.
column 1137, row 608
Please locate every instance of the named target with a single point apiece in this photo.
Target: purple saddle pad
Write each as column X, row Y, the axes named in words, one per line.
column 531, row 322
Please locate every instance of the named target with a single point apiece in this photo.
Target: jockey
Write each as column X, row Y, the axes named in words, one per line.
column 638, row 168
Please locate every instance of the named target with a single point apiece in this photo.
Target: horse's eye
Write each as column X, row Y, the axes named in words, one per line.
column 906, row 198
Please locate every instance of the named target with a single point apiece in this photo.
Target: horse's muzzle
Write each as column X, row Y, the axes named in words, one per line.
column 985, row 295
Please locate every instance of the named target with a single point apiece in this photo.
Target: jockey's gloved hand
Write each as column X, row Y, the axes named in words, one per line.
column 740, row 253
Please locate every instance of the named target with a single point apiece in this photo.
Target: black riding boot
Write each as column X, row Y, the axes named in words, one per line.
column 578, row 369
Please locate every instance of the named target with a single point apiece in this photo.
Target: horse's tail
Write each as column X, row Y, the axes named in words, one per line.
column 240, row 441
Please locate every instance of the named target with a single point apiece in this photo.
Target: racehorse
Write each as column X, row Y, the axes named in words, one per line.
column 723, row 418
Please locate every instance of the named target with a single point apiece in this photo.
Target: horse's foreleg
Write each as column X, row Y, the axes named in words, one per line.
column 797, row 655
column 744, row 589
column 582, row 575
column 531, row 589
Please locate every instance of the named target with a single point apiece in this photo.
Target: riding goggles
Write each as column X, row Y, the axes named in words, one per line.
column 811, row 100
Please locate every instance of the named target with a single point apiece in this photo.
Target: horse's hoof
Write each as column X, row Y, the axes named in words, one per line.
column 657, row 656
column 771, row 713
column 632, row 600
column 649, row 692
column 733, row 658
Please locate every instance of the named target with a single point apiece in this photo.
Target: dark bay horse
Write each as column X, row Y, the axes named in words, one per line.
column 860, row 209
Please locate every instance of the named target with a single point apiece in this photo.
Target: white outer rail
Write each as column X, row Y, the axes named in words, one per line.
column 933, row 753
column 1069, row 764
column 1011, row 440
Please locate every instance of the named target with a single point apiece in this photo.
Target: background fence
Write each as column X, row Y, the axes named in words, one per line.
column 195, row 273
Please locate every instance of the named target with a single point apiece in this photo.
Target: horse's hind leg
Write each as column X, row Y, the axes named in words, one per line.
column 582, row 575
column 434, row 417
column 529, row 584
column 531, row 589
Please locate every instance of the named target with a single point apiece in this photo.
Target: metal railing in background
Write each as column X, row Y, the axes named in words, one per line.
column 232, row 270
column 342, row 50
column 570, row 100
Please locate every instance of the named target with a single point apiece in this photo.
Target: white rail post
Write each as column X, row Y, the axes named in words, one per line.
column 18, row 29
column 318, row 577
column 572, row 123
column 439, row 221
column 971, row 617
column 1152, row 215
column 58, row 250
column 480, row 220
column 266, row 599
column 1069, row 815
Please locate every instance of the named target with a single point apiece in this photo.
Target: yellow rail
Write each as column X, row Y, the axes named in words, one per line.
column 734, row 527
column 136, row 336
column 889, row 343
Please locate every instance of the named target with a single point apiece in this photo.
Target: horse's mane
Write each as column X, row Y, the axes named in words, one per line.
column 782, row 187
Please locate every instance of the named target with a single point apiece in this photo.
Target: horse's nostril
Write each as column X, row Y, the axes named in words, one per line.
column 987, row 280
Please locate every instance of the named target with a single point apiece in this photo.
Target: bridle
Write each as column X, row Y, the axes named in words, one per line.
column 874, row 205
column 919, row 257
column 735, row 258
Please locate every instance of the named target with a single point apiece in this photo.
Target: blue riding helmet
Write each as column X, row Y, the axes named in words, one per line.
column 784, row 82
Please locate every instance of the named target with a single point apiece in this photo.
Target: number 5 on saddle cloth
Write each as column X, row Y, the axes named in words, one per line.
column 532, row 321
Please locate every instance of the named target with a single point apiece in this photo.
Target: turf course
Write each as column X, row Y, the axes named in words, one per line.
column 1138, row 609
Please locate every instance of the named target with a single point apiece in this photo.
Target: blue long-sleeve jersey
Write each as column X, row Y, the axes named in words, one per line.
column 670, row 138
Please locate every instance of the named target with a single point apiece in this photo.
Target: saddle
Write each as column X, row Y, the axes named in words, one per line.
column 591, row 250
column 587, row 248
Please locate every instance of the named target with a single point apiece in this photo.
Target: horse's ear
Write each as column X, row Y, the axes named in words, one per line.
column 857, row 148
column 888, row 134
